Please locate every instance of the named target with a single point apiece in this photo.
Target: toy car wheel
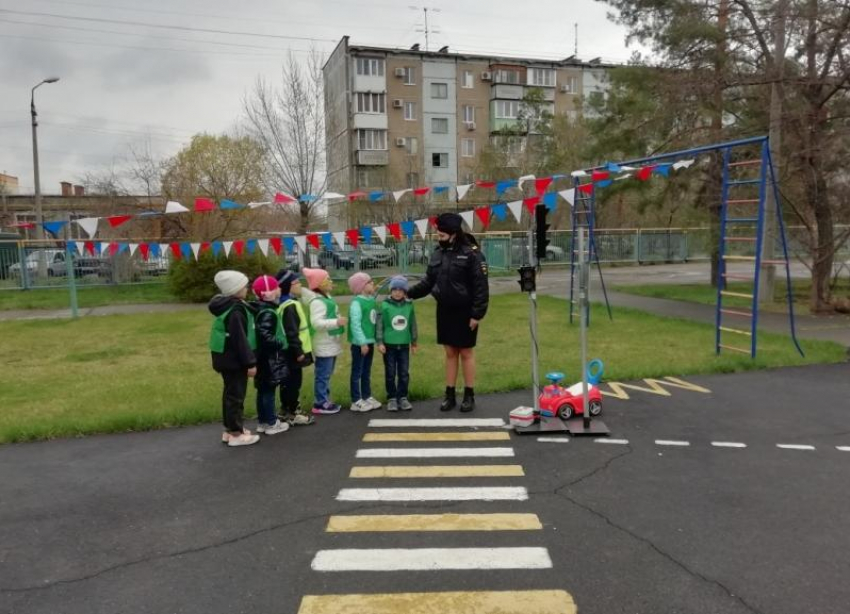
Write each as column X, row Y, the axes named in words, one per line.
column 595, row 408
column 566, row 411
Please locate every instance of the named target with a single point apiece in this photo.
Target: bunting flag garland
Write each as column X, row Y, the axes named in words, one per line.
column 203, row 205
column 381, row 231
column 644, row 173
column 516, row 210
column 216, row 248
column 366, row 231
column 542, row 184
column 185, row 251
column 504, row 185
column 483, row 214
column 227, row 247
column 275, row 244
column 239, row 247
column 621, row 177
column 375, row 196
column 599, row 175
column 229, row 204
column 113, row 248
column 326, row 239
column 145, row 249
column 433, row 221
column 255, row 205
column 440, row 189
column 196, row 249
column 263, row 244
column 313, row 239
column 569, row 196
column 585, row 188
column 468, row 219
column 175, row 207
column 462, row 190
column 116, row 220
column 325, row 197
column 408, row 227
column 289, row 243
column 397, row 195
column 54, row 227
column 485, row 184
column 355, row 195
column 302, row 243
column 578, row 174
column 339, row 237
column 604, row 183
column 73, row 246
column 88, row 247
column 683, row 164
column 531, row 203
column 251, row 245
column 282, row 199
column 523, row 179
column 421, row 191
column 353, row 237
column 205, row 246
column 500, row 212
column 551, row 201
column 89, row 225
column 395, row 230
column 663, row 169
column 422, row 227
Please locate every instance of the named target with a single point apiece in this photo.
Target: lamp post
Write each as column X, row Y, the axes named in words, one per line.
column 39, row 214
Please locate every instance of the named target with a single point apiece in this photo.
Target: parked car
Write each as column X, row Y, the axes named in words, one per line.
column 376, row 256
column 337, row 258
column 31, row 262
column 56, row 266
column 155, row 266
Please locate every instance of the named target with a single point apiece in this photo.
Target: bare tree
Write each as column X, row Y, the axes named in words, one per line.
column 289, row 123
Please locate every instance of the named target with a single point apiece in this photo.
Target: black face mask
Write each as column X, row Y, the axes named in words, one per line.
column 445, row 244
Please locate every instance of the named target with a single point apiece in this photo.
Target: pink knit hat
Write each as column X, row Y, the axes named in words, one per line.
column 263, row 284
column 314, row 277
column 358, row 281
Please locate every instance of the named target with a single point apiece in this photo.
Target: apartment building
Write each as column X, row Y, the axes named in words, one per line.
column 404, row 118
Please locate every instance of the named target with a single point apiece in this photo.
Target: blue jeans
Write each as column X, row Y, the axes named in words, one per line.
column 265, row 405
column 322, row 385
column 397, row 365
column 361, row 373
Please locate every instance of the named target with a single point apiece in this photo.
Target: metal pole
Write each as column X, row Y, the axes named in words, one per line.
column 583, row 306
column 535, row 376
column 39, row 214
column 72, row 280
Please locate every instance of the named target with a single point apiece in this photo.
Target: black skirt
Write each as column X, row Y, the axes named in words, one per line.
column 453, row 327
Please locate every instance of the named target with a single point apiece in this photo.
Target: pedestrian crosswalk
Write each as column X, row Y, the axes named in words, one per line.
column 423, row 481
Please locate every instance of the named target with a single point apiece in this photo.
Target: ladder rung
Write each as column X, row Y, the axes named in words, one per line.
column 734, row 349
column 744, row 182
column 745, row 163
column 737, row 331
column 743, row 201
column 738, row 294
column 747, row 258
column 752, row 239
column 733, row 312
column 741, row 219
column 738, row 277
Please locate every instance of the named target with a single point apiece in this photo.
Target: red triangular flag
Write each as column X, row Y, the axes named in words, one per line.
column 89, row 245
column 204, row 246
column 540, row 185
column 644, row 173
column 146, row 250
column 113, row 248
column 395, row 230
column 352, row 197
column 239, row 247
column 421, row 191
column 283, row 198
column 433, row 221
column 600, row 175
column 585, row 188
column 483, row 214
column 275, row 243
column 313, row 239
column 116, row 220
column 531, row 203
column 175, row 251
column 486, row 184
column 204, row 204
column 353, row 236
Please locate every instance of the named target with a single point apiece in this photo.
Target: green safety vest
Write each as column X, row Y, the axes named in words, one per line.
column 369, row 319
column 303, row 324
column 330, row 314
column 279, row 333
column 219, row 334
column 396, row 320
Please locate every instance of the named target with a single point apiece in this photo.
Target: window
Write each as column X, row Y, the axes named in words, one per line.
column 410, row 111
column 440, row 160
column 507, row 109
column 363, row 178
column 409, row 75
column 467, row 148
column 412, row 180
column 510, row 145
column 439, row 125
column 468, row 114
column 541, row 76
column 572, row 84
column 507, row 76
column 439, row 90
column 370, row 67
column 468, row 79
column 468, row 177
column 411, row 144
column 371, row 103
column 371, row 139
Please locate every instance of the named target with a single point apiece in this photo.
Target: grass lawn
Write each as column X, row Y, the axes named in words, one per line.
column 97, row 296
column 135, row 372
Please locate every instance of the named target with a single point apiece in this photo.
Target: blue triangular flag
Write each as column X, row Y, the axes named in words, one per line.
column 123, row 247
column 504, row 185
column 186, row 250
column 554, row 177
column 251, row 245
column 229, row 204
column 53, row 227
column 550, row 200
column 373, row 196
column 71, row 246
column 440, row 189
column 307, row 198
column 663, row 169
column 604, row 183
column 97, row 247
column 216, row 248
column 408, row 227
column 155, row 251
column 289, row 244
column 327, row 240
column 613, row 168
column 500, row 211
column 366, row 232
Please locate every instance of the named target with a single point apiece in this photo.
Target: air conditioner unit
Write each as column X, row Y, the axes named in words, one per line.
column 398, row 103
column 486, row 76
column 400, row 142
column 470, row 125
column 566, row 89
column 399, row 72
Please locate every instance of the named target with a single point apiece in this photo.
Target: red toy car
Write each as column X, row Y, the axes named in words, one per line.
column 555, row 400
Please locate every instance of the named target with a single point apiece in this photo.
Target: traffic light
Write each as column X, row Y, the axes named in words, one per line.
column 540, row 228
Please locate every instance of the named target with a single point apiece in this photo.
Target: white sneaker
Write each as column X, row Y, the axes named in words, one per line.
column 274, row 429
column 373, row 403
column 360, row 406
column 300, row 420
column 242, row 440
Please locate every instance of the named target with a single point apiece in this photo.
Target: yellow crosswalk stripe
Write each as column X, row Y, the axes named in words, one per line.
column 438, row 471
column 503, row 602
column 487, row 436
column 379, row 523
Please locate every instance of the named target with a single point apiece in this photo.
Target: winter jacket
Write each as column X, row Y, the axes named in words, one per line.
column 324, row 345
column 457, row 278
column 237, row 354
column 271, row 349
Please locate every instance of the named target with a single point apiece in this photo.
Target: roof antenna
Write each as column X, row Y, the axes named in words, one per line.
column 428, row 31
column 576, row 26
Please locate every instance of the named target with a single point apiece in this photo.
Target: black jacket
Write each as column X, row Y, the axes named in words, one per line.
column 271, row 355
column 457, row 278
column 237, row 355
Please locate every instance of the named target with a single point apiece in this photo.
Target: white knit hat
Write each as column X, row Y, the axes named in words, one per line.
column 230, row 282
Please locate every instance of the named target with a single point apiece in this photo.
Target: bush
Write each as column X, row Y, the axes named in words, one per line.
column 192, row 280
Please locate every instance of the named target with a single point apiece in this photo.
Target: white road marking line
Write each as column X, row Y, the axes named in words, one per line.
column 843, row 448
column 671, row 442
column 469, row 493
column 728, row 444
column 620, row 442
column 435, row 422
column 430, row 559
column 553, row 439
column 794, row 446
column 432, row 452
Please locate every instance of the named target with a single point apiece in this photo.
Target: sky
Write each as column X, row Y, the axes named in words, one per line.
column 126, row 83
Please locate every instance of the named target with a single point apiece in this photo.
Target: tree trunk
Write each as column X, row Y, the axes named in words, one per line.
column 715, row 189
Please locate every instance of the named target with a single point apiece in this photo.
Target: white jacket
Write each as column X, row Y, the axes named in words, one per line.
column 324, row 345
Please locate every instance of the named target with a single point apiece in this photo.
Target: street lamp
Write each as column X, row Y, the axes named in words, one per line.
column 39, row 214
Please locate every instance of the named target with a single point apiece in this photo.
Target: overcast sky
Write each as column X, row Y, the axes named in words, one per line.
column 124, row 82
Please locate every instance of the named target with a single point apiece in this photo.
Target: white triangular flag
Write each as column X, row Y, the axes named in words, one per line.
column 462, row 190
column 340, row 239
column 578, row 174
column 81, row 246
column 331, row 196
column 516, row 209
column 468, row 217
column 255, row 205
column 301, row 241
column 89, row 224
column 523, row 179
column 381, row 231
column 196, row 249
column 422, row 227
column 569, row 196
column 627, row 169
column 621, row 177
column 227, row 245
column 263, row 244
column 174, row 207
column 164, row 250
column 397, row 195
column 683, row 164
column 133, row 247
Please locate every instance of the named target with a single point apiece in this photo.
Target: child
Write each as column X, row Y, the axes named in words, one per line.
column 326, row 330
column 362, row 316
column 299, row 354
column 231, row 339
column 271, row 354
column 396, row 334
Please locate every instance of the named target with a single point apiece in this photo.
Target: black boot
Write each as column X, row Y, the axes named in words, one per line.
column 468, row 403
column 449, row 402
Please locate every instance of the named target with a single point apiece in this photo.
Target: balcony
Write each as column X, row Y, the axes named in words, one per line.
column 373, row 157
column 506, row 92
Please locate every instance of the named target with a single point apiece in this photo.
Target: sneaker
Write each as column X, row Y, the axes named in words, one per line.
column 392, row 405
column 360, row 406
column 244, row 439
column 373, row 403
column 225, row 436
column 300, row 420
column 326, row 409
column 274, row 429
column 404, row 404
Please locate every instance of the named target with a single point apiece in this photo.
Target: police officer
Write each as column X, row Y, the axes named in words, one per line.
column 457, row 278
